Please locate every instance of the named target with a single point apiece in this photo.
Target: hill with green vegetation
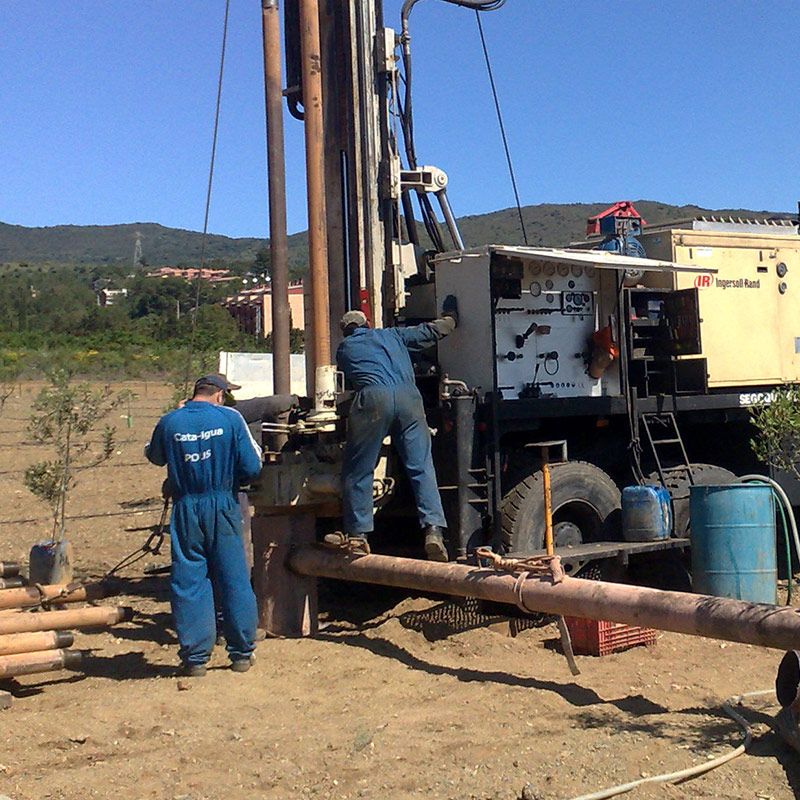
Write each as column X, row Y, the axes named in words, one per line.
column 114, row 245
column 548, row 225
column 50, row 317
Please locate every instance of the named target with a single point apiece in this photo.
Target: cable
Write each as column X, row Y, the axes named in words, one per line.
column 198, row 280
column 406, row 111
column 699, row 769
column 502, row 126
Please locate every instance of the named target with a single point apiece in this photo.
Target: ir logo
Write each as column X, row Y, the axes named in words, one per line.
column 702, row 281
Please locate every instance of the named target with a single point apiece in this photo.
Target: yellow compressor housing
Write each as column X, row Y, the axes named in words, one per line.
column 749, row 309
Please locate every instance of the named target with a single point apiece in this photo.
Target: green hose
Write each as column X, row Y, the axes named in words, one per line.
column 781, row 502
column 785, row 526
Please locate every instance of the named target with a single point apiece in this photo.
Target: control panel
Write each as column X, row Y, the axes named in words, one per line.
column 542, row 331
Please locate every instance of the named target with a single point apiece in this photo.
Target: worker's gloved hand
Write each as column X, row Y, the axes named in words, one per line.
column 450, row 308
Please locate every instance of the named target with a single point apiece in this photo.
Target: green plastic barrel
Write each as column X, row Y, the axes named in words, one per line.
column 733, row 542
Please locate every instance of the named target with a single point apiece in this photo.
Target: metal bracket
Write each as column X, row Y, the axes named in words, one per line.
column 547, row 447
column 423, row 179
column 432, row 180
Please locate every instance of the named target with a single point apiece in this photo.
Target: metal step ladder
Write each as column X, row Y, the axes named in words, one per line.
column 662, row 432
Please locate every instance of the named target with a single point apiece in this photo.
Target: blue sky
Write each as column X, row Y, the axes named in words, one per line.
column 106, row 107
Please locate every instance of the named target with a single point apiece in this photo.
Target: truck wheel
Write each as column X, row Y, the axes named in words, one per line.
column 584, row 500
column 678, row 485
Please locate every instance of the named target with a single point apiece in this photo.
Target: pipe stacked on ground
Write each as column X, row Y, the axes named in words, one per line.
column 10, row 569
column 14, row 643
column 32, row 596
column 93, row 617
column 45, row 661
column 31, row 643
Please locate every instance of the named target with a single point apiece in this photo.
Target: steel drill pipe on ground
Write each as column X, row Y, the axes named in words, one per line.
column 98, row 617
column 31, row 596
column 695, row 615
column 30, row 663
column 9, row 569
column 11, row 583
column 34, row 642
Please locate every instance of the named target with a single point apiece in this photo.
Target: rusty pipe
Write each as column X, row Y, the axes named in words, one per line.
column 34, row 642
column 315, row 181
column 695, row 615
column 31, row 596
column 276, row 180
column 11, row 583
column 46, row 661
column 93, row 617
column 9, row 569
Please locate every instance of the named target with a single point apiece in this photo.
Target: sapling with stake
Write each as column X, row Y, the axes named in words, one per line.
column 66, row 418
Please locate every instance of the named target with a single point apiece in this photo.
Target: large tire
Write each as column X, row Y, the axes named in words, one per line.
column 584, row 500
column 678, row 485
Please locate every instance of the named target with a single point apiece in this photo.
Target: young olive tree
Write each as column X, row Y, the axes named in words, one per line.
column 66, row 417
column 777, row 441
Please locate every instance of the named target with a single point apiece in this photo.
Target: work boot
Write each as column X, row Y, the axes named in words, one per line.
column 241, row 664
column 358, row 545
column 194, row 670
column 434, row 544
column 334, row 540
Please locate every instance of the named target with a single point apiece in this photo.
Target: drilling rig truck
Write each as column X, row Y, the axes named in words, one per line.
column 630, row 358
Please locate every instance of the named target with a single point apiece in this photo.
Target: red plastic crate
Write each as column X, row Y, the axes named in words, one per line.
column 593, row 637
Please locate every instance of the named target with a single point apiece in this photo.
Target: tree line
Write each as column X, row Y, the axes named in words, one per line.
column 53, row 314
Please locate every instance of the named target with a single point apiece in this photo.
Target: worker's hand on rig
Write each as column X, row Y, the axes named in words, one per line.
column 450, row 308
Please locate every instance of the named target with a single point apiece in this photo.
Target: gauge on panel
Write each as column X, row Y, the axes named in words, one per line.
column 549, row 269
column 577, row 271
column 590, row 272
column 548, row 284
column 536, row 288
column 563, row 270
column 536, row 269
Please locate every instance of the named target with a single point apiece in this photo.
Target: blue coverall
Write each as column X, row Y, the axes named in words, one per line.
column 376, row 363
column 208, row 451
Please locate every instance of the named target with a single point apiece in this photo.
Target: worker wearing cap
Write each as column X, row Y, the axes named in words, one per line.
column 377, row 365
column 208, row 452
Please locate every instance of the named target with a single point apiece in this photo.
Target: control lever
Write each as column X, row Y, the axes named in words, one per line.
column 534, row 327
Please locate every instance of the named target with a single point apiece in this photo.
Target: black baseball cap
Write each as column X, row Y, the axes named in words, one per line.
column 218, row 380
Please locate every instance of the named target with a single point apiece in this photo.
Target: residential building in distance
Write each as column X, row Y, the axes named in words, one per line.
column 109, row 297
column 252, row 308
column 192, row 273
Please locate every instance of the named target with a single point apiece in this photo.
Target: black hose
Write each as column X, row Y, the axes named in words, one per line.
column 406, row 111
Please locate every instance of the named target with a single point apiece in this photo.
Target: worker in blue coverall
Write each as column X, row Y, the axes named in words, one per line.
column 208, row 452
column 377, row 365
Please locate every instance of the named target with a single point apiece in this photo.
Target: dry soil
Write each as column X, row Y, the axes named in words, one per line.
column 399, row 697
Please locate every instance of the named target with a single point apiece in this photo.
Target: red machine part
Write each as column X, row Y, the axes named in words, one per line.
column 365, row 306
column 622, row 208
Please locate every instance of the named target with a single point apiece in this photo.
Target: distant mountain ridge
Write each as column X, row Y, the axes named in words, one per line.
column 548, row 225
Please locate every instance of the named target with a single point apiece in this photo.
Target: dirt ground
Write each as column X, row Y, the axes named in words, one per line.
column 399, row 697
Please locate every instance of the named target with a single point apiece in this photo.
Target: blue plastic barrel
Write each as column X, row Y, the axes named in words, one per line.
column 733, row 542
column 646, row 513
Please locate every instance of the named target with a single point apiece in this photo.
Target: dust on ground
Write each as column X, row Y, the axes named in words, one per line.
column 399, row 696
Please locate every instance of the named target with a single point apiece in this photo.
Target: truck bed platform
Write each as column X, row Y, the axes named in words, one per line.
column 578, row 555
